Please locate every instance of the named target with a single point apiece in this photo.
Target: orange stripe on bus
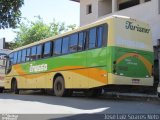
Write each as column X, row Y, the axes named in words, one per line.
column 93, row 73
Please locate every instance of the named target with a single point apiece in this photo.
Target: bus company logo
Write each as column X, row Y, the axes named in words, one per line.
column 38, row 68
column 129, row 25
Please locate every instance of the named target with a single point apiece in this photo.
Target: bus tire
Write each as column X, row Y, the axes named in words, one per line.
column 59, row 87
column 1, row 90
column 14, row 88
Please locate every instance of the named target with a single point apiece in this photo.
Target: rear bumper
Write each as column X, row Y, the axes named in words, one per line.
column 122, row 80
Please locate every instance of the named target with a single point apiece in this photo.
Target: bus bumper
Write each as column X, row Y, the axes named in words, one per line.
column 122, row 80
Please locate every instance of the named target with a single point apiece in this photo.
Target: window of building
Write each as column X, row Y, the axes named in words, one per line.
column 73, row 43
column 99, row 36
column 92, row 38
column 81, row 43
column 128, row 4
column 39, row 51
column 24, row 55
column 47, row 50
column 57, row 47
column 89, row 9
column 65, row 45
column 15, row 58
column 28, row 54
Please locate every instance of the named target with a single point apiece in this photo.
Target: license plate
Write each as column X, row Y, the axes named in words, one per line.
column 135, row 81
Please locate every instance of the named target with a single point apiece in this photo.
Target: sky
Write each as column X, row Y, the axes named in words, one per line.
column 61, row 10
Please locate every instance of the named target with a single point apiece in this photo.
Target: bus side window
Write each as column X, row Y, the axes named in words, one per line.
column 81, row 42
column 73, row 43
column 39, row 51
column 15, row 58
column 65, row 45
column 99, row 36
column 47, row 50
column 11, row 58
column 92, row 38
column 28, row 54
column 33, row 53
column 57, row 47
column 23, row 55
column 19, row 56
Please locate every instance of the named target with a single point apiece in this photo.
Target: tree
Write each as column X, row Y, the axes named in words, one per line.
column 32, row 31
column 10, row 13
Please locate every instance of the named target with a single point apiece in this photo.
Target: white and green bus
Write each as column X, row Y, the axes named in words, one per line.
column 115, row 52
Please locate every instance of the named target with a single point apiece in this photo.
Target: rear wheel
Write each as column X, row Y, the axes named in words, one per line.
column 14, row 87
column 1, row 90
column 59, row 88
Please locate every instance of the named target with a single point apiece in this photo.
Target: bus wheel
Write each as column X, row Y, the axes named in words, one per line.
column 1, row 90
column 93, row 92
column 59, row 88
column 14, row 87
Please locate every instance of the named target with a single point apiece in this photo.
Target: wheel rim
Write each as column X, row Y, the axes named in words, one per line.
column 59, row 87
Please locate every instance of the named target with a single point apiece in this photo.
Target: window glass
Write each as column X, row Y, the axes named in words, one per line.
column 28, row 54
column 11, row 58
column 100, row 36
column 65, row 45
column 57, row 47
column 47, row 49
column 15, row 58
column 33, row 53
column 73, row 43
column 92, row 38
column 24, row 55
column 82, row 36
column 39, row 51
column 19, row 56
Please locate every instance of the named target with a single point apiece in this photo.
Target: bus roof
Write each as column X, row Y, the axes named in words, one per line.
column 101, row 21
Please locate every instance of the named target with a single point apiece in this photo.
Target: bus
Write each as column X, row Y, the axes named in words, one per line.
column 115, row 52
column 3, row 54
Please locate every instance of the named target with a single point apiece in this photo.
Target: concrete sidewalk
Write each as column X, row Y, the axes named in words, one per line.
column 132, row 96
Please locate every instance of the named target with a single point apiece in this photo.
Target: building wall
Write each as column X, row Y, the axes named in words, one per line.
column 104, row 7
column 148, row 12
column 88, row 18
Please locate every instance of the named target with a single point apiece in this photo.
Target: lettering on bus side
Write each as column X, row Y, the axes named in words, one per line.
column 38, row 68
column 129, row 25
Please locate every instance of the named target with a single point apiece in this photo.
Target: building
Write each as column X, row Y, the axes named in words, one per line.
column 4, row 44
column 144, row 10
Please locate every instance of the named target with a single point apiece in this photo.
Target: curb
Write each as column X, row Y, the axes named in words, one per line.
column 132, row 96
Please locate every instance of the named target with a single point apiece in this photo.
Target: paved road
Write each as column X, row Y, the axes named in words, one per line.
column 73, row 107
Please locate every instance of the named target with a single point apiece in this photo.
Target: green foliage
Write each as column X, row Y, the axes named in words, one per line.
column 10, row 13
column 32, row 31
